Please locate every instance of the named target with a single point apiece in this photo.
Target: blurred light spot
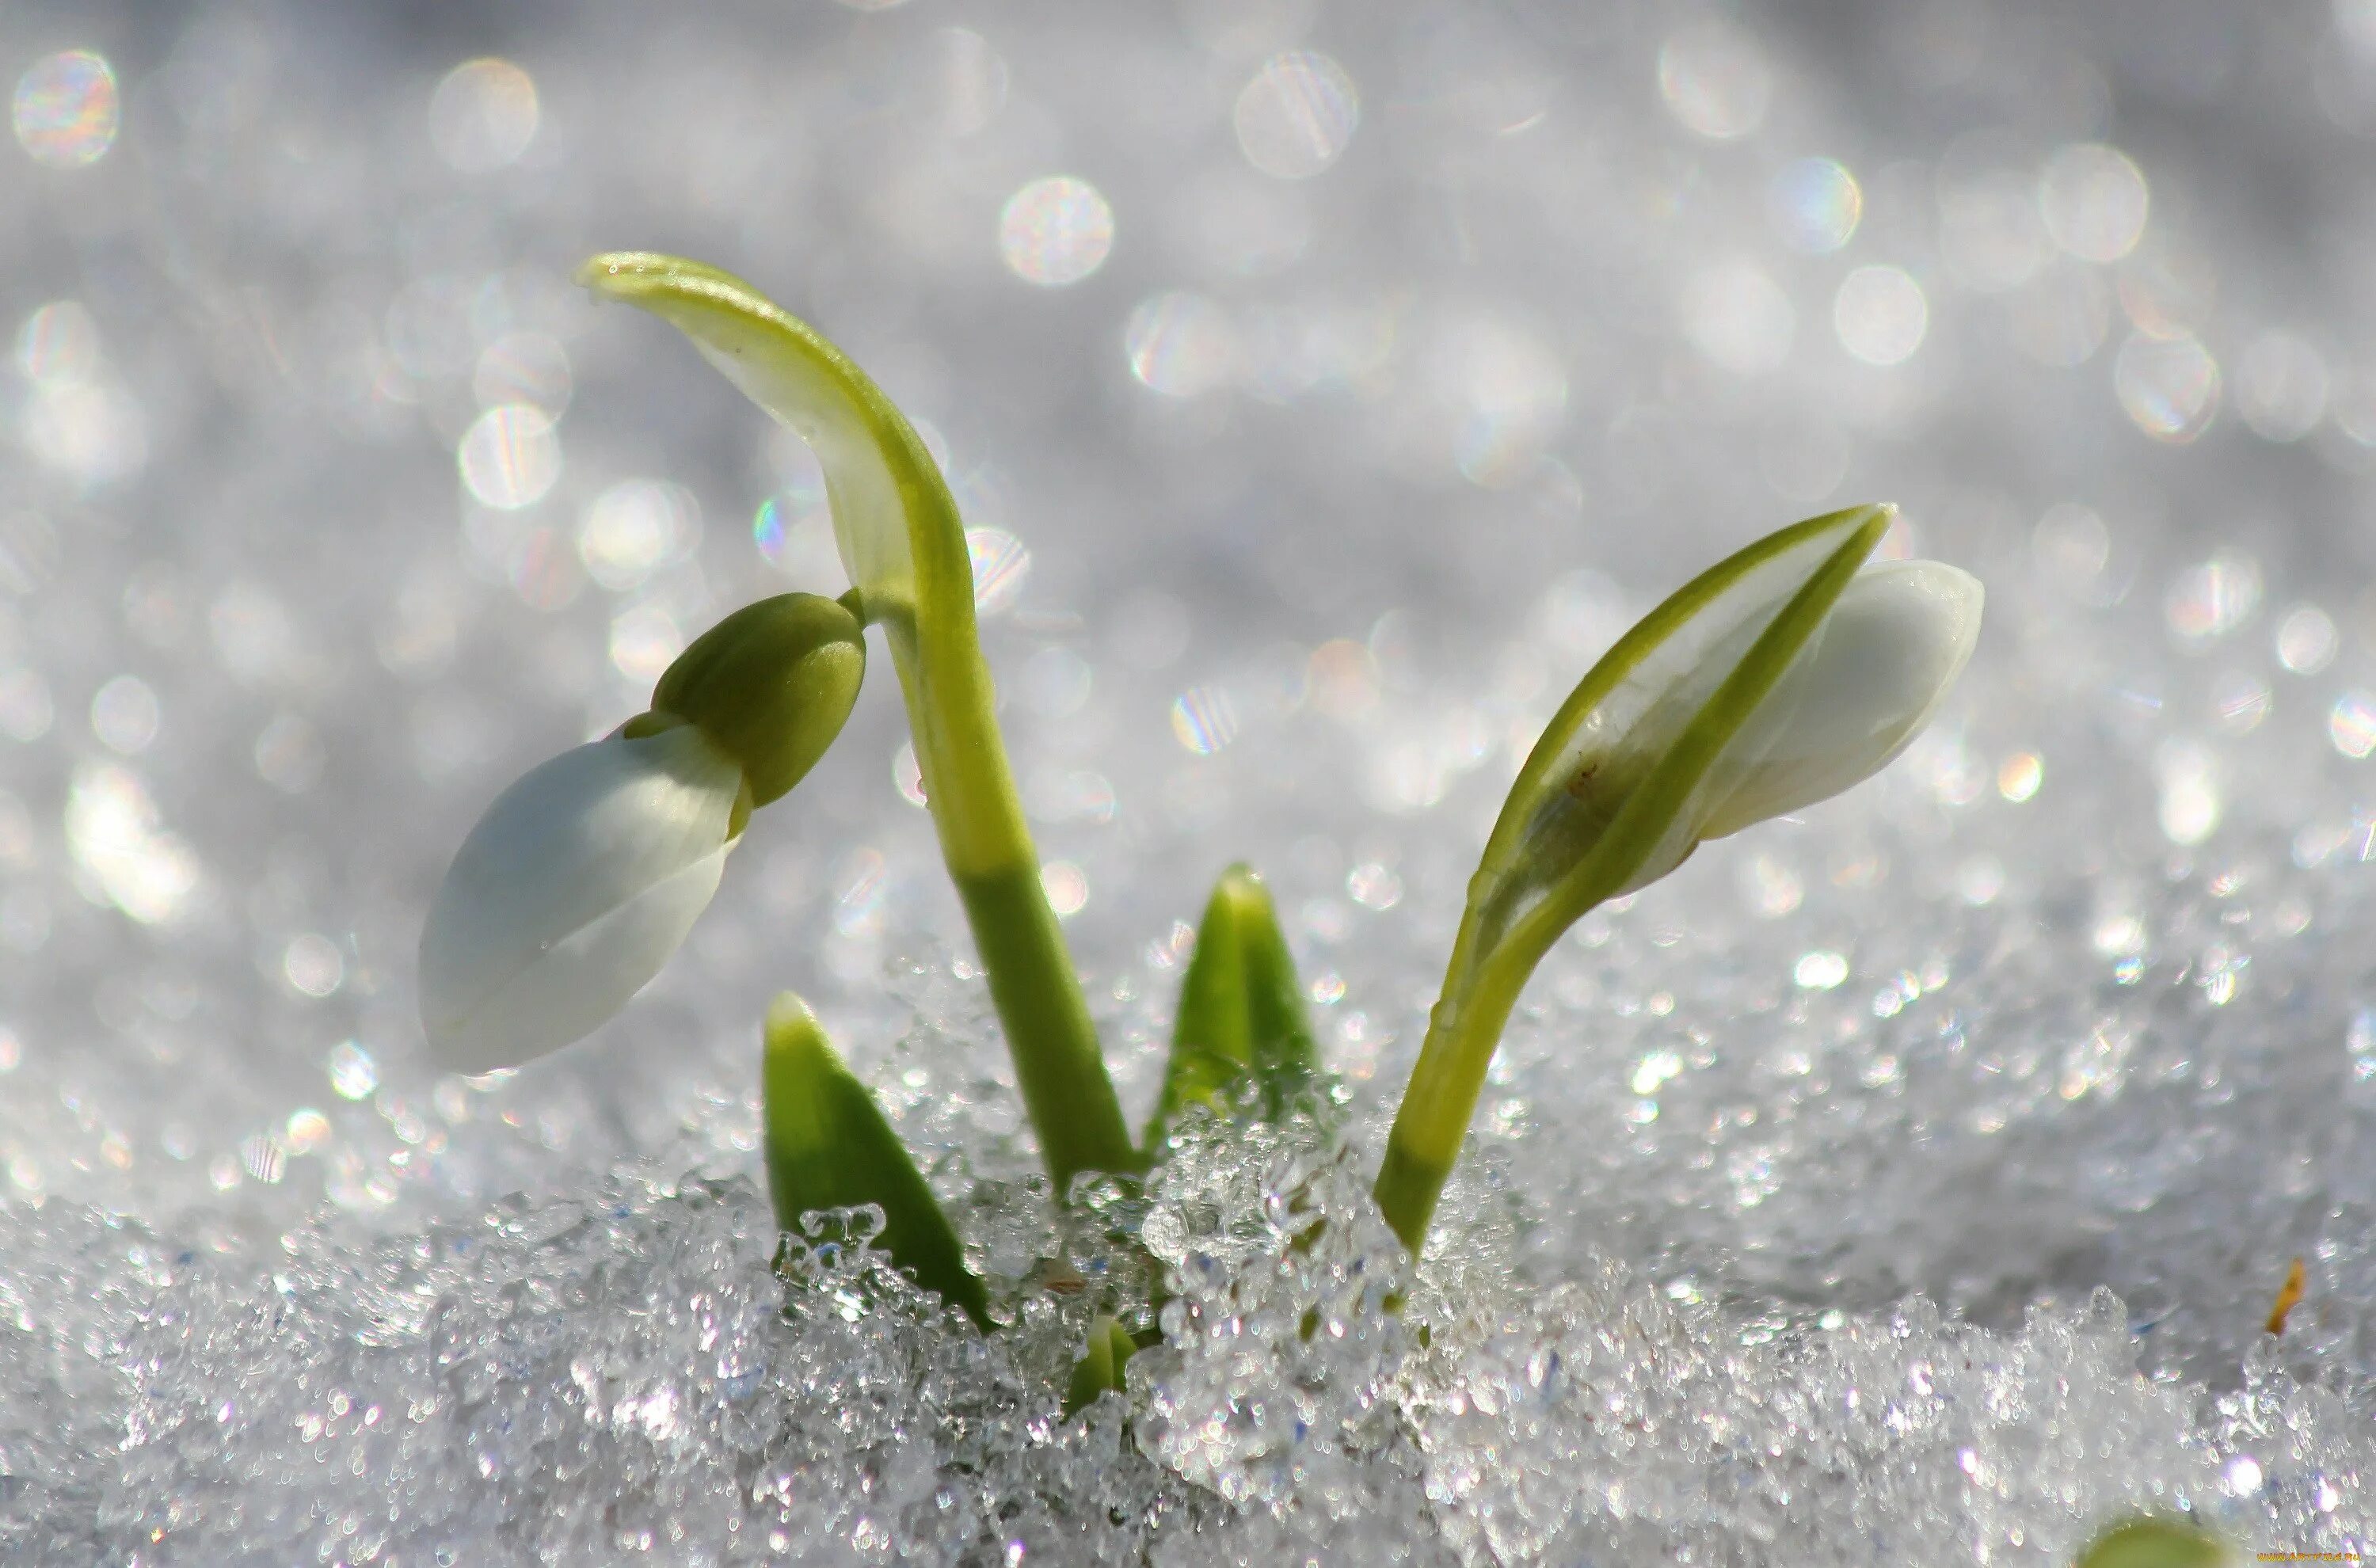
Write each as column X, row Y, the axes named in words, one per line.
column 1180, row 345
column 1344, row 679
column 482, row 115
column 1738, row 318
column 2062, row 315
column 2306, row 639
column 635, row 526
column 1815, row 204
column 311, row 965
column 89, row 431
column 2214, row 597
column 2070, row 544
column 1820, row 969
column 2169, row 386
column 1067, row 887
column 2092, row 199
column 2167, row 292
column 288, row 756
column 1654, row 1069
column 1204, row 719
column 1979, row 880
column 124, row 715
column 263, row 1157
column 1880, row 314
column 523, row 368
column 1373, row 885
column 116, row 833
column 2240, row 701
column 352, row 1072
column 1296, row 115
column 1001, row 566
column 306, row 1130
column 2019, row 776
column 68, row 110
column 2243, row 1474
column 2282, row 384
column 58, row 344
column 1509, row 392
column 542, row 569
column 1056, row 230
column 645, row 640
column 2185, row 771
column 906, row 776
column 1714, row 79
column 24, row 708
column 2352, row 724
column 1772, row 887
column 12, row 1051
column 859, row 887
column 510, row 456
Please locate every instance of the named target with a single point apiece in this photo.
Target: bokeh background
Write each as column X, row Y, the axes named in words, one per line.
column 1323, row 386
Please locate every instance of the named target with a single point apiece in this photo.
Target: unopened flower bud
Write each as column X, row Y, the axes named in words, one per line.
column 771, row 686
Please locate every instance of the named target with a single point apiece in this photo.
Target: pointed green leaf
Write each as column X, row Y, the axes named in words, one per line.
column 1242, row 1013
column 903, row 543
column 1107, row 1351
column 828, row 1146
column 2153, row 1543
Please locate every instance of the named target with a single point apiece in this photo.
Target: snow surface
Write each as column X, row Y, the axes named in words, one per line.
column 1908, row 1183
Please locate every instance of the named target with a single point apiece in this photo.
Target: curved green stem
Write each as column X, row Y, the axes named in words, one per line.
column 1431, row 1124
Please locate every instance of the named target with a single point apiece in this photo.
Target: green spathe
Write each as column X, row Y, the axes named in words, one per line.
column 827, row 1145
column 771, row 685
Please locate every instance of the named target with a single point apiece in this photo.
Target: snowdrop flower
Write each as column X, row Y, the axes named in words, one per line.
column 584, row 875
column 1782, row 676
column 1887, row 656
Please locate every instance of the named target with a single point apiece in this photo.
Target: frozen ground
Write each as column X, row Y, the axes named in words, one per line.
column 1907, row 1183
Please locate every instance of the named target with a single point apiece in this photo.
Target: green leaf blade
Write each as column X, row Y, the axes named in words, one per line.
column 1241, row 1010
column 828, row 1145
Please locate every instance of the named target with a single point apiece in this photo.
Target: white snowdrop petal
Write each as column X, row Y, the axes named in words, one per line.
column 576, row 984
column 571, row 842
column 1885, row 659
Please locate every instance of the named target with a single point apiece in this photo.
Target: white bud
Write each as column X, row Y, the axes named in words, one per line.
column 571, row 892
column 1864, row 688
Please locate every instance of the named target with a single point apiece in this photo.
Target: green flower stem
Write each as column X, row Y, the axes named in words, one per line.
column 903, row 542
column 1440, row 1099
column 1057, row 1065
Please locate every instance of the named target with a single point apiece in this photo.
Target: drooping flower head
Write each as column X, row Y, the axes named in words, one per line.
column 584, row 875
